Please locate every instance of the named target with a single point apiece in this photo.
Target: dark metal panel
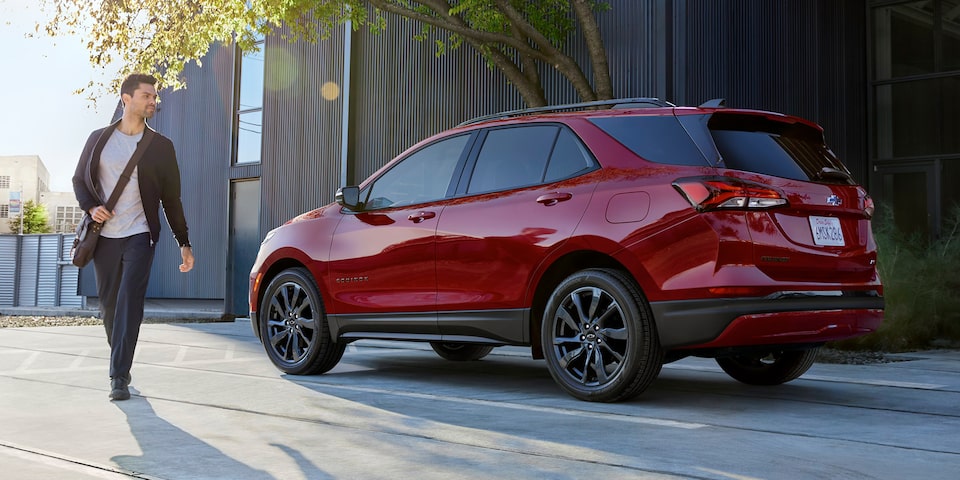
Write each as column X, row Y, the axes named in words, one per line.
column 69, row 275
column 403, row 92
column 28, row 271
column 48, row 253
column 798, row 57
column 636, row 36
column 301, row 127
column 9, row 247
column 197, row 119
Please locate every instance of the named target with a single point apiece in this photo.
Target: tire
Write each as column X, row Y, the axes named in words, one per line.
column 461, row 352
column 599, row 337
column 770, row 368
column 293, row 326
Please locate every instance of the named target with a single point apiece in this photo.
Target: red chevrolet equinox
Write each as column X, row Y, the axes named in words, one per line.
column 610, row 237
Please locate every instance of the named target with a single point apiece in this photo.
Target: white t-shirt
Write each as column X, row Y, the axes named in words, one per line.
column 128, row 218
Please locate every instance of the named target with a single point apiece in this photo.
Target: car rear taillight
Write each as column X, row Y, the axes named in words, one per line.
column 866, row 202
column 713, row 193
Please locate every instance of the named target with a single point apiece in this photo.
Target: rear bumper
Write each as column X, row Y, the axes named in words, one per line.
column 777, row 319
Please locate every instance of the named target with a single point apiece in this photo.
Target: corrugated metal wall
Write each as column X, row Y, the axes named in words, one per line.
column 799, row 57
column 403, row 92
column 8, row 265
column 37, row 271
column 301, row 129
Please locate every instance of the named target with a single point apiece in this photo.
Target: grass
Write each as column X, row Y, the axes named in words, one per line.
column 921, row 283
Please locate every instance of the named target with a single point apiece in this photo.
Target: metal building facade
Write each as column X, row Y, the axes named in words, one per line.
column 802, row 57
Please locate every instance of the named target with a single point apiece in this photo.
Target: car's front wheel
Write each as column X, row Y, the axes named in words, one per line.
column 768, row 368
column 599, row 337
column 293, row 325
column 460, row 352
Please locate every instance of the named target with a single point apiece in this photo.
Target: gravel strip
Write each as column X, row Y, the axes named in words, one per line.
column 23, row 321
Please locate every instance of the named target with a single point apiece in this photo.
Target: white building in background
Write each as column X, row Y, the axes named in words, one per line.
column 63, row 211
column 28, row 175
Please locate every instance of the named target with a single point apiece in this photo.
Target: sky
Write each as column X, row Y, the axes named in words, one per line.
column 39, row 113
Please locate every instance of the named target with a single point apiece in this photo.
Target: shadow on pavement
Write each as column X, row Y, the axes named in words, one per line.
column 160, row 441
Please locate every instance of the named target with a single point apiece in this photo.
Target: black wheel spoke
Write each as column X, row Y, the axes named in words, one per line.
column 570, row 357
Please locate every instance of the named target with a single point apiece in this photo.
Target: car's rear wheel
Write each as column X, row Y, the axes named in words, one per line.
column 294, row 327
column 599, row 338
column 461, row 352
column 769, row 368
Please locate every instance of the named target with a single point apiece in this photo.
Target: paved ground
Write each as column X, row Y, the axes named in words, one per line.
column 208, row 404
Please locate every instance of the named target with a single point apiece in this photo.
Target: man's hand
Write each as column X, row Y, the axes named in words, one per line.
column 100, row 214
column 187, row 254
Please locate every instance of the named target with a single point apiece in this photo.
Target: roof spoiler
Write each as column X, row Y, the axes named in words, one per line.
column 715, row 103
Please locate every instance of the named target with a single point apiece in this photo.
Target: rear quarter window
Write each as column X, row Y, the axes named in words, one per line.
column 659, row 139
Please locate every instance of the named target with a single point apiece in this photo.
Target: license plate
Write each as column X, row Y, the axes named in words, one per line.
column 826, row 231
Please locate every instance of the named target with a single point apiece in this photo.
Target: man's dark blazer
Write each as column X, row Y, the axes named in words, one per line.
column 158, row 177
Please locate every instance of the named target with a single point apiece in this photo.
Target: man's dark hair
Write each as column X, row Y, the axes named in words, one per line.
column 134, row 80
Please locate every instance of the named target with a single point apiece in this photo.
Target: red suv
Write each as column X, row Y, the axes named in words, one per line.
column 610, row 237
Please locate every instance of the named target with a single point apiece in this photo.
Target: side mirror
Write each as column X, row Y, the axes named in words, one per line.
column 348, row 197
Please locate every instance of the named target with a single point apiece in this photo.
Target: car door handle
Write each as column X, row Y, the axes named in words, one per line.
column 554, row 198
column 420, row 216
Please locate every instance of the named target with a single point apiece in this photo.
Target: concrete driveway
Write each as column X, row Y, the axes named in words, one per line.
column 208, row 404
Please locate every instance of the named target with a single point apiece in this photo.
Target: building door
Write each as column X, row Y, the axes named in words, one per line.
column 910, row 194
column 244, row 241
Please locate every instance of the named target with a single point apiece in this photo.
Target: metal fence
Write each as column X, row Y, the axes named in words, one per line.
column 35, row 271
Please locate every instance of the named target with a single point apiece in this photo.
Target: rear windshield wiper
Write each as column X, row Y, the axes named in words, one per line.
column 827, row 172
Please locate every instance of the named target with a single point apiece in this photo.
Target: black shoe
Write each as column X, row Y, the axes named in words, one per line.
column 118, row 388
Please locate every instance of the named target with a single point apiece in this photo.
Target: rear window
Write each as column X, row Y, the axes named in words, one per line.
column 658, row 139
column 787, row 150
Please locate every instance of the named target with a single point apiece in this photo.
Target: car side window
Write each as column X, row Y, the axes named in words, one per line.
column 512, row 157
column 421, row 177
column 569, row 157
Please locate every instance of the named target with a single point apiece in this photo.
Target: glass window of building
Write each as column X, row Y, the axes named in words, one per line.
column 249, row 128
column 4, row 181
column 915, row 77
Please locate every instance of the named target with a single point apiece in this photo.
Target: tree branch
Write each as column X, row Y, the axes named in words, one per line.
column 560, row 61
column 459, row 28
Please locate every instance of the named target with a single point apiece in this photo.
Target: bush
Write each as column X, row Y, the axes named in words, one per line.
column 921, row 287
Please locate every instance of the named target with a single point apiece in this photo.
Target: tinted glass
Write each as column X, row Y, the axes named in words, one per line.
column 512, row 157
column 788, row 150
column 422, row 177
column 917, row 118
column 569, row 157
column 656, row 139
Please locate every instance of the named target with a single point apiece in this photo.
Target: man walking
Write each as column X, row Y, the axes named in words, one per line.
column 124, row 254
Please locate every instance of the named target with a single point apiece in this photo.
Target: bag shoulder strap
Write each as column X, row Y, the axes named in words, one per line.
column 128, row 170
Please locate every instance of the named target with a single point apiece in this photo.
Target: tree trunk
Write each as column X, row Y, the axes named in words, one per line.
column 598, row 53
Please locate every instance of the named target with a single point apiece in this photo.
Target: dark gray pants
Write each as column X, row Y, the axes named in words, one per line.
column 123, row 271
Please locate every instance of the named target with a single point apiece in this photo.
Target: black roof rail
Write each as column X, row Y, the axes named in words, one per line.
column 644, row 102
